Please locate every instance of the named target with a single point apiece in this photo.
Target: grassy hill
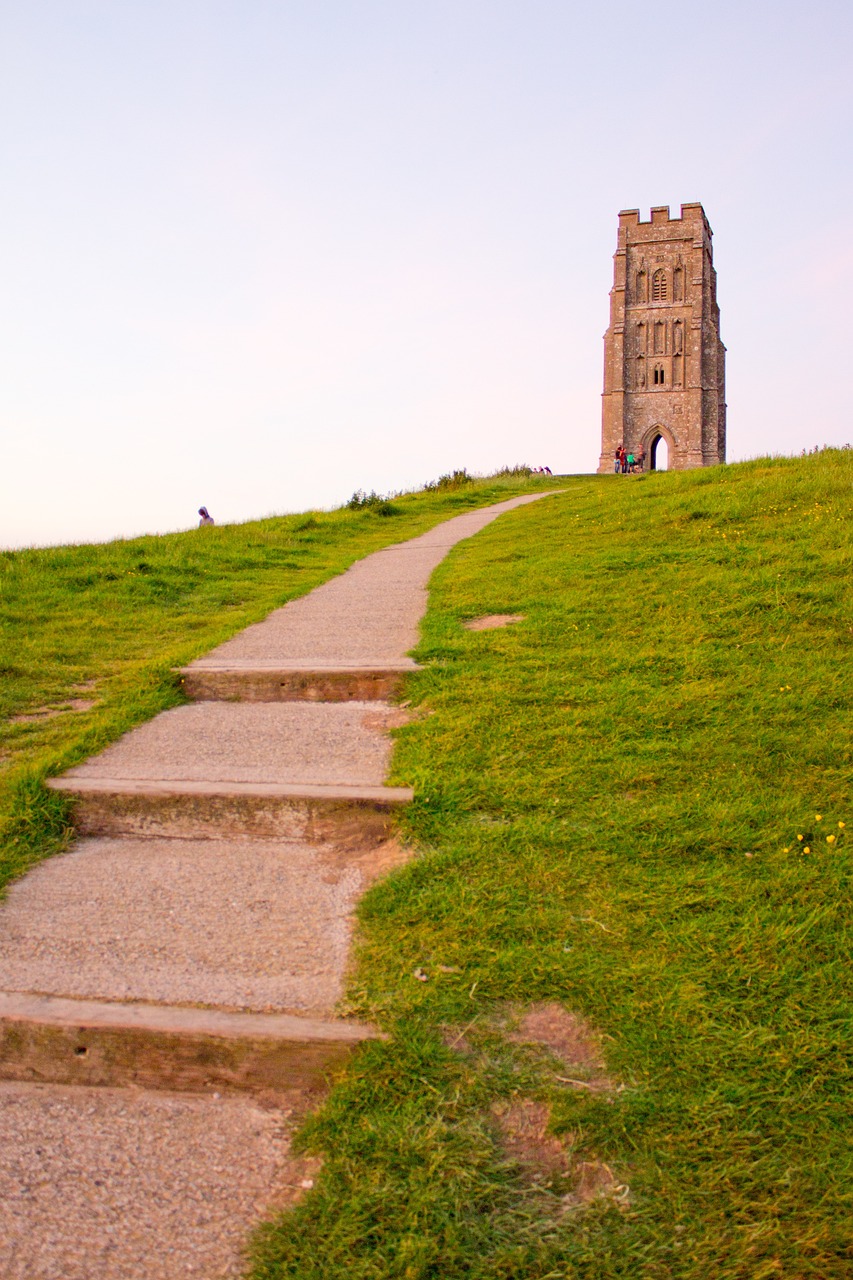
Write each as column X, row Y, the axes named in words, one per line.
column 631, row 804
column 90, row 634
column 610, row 795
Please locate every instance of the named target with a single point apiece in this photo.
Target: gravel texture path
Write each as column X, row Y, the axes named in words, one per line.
column 116, row 1184
column 249, row 924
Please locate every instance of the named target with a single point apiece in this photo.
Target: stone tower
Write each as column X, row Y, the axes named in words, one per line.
column 664, row 363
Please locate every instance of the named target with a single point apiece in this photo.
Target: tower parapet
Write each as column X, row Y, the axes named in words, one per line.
column 664, row 362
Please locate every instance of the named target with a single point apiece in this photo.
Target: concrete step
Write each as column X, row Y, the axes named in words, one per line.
column 259, row 926
column 297, row 770
column 259, row 742
column 305, row 681
column 96, row 1042
column 345, row 815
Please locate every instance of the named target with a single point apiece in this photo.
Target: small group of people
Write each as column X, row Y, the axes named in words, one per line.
column 625, row 463
column 541, row 471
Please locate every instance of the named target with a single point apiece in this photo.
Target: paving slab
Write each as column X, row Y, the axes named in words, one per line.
column 109, row 1184
column 240, row 924
column 288, row 742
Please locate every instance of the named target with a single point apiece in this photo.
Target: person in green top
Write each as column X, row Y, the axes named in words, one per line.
column 630, row 461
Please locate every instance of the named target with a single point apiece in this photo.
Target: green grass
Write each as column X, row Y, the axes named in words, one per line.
column 609, row 799
column 106, row 624
column 609, row 796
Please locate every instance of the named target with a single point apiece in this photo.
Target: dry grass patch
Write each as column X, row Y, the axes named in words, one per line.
column 569, row 1039
column 492, row 620
column 48, row 713
column 546, row 1161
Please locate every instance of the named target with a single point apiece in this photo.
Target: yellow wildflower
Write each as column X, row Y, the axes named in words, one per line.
column 818, row 817
column 830, row 839
column 807, row 849
column 799, row 837
column 841, row 825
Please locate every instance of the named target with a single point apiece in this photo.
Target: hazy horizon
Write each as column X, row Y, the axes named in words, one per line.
column 257, row 258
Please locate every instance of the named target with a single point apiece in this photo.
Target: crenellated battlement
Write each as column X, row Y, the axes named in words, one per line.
column 660, row 214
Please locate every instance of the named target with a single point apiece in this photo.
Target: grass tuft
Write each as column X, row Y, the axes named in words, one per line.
column 36, row 824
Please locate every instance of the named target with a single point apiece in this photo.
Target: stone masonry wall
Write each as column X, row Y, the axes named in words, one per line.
column 664, row 363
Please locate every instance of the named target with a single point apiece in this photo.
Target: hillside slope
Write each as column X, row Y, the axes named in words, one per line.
column 630, row 843
column 90, row 634
column 631, row 804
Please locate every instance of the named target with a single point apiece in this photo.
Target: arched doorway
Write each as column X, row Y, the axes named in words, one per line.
column 658, row 445
column 659, row 454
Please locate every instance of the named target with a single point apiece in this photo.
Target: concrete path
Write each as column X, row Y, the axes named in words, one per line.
column 368, row 614
column 196, row 937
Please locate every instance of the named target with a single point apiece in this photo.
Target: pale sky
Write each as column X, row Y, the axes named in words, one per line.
column 257, row 254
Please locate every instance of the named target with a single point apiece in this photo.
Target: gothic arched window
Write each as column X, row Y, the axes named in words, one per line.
column 659, row 377
column 659, row 285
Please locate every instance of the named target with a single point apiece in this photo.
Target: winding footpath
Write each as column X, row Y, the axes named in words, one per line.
column 186, row 955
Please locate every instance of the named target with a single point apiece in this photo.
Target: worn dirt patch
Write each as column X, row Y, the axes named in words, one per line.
column 48, row 713
column 551, row 1033
column 591, row 1179
column 372, row 862
column 298, row 1176
column 569, row 1038
column 389, row 718
column 546, row 1161
column 492, row 620
column 524, row 1129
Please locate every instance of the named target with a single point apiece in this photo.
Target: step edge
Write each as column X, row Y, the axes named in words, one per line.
column 65, row 1011
column 201, row 667
column 85, row 785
